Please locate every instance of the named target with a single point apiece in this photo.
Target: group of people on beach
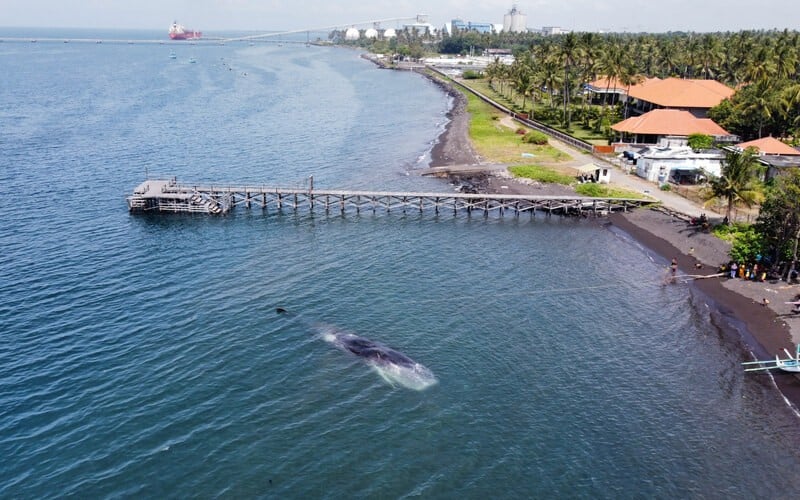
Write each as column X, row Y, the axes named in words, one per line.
column 747, row 271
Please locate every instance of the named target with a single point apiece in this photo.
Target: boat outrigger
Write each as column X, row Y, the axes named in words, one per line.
column 791, row 364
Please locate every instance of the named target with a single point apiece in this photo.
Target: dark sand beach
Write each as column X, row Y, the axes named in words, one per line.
column 766, row 331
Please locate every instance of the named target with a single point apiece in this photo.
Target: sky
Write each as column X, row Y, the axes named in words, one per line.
column 269, row 15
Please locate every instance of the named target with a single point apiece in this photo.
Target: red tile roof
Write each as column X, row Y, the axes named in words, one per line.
column 678, row 93
column 669, row 122
column 770, row 146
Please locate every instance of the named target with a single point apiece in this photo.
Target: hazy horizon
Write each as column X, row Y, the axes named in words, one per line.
column 255, row 15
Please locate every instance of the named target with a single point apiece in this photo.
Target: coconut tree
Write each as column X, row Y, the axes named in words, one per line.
column 629, row 77
column 569, row 52
column 778, row 221
column 738, row 183
column 493, row 71
column 669, row 57
column 549, row 76
column 709, row 53
column 785, row 57
column 613, row 63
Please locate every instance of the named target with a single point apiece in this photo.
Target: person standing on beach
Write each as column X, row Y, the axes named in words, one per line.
column 734, row 268
column 674, row 266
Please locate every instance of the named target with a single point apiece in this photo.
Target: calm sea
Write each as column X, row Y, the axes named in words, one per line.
column 142, row 356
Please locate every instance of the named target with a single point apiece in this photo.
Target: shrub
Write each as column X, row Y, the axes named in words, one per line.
column 700, row 141
column 747, row 244
column 665, row 187
column 471, row 74
column 535, row 137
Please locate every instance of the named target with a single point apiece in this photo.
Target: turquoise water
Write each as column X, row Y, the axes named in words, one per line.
column 142, row 356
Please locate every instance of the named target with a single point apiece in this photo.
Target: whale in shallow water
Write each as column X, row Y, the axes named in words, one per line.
column 393, row 366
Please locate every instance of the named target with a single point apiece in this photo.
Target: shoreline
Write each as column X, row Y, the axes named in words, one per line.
column 767, row 329
column 764, row 331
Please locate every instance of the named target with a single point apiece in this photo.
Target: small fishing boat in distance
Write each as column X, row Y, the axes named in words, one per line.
column 790, row 364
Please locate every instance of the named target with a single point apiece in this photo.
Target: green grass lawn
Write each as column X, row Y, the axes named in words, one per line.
column 578, row 130
column 604, row 191
column 500, row 144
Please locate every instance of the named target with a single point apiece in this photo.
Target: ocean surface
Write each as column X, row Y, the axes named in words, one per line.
column 142, row 356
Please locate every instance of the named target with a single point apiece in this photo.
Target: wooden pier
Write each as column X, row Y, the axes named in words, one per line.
column 171, row 196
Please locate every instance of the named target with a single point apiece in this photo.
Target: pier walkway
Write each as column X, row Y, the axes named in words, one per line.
column 171, row 196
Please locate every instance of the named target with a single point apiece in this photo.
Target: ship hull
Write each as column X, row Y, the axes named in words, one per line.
column 191, row 35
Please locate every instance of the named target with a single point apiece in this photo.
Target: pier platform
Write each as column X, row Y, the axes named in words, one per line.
column 167, row 195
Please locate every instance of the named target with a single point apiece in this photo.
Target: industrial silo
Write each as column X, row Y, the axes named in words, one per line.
column 515, row 21
column 371, row 33
column 389, row 33
column 352, row 34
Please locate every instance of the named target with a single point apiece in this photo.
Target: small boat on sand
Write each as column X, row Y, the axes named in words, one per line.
column 790, row 364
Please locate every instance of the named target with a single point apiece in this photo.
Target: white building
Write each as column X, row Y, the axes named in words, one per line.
column 554, row 30
column 678, row 164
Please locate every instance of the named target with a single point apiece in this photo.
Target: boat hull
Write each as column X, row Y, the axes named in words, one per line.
column 191, row 35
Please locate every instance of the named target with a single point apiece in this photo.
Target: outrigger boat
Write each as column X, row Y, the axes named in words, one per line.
column 790, row 364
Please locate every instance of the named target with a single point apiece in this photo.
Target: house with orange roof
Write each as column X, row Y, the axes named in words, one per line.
column 610, row 91
column 657, row 125
column 695, row 96
column 661, row 138
column 769, row 146
column 774, row 154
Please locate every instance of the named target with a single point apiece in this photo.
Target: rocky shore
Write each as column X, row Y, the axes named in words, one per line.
column 770, row 326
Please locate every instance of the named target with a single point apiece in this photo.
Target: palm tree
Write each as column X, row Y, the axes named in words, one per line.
column 738, row 183
column 629, row 77
column 760, row 108
column 760, row 66
column 709, row 54
column 549, row 76
column 669, row 56
column 613, row 62
column 569, row 52
column 785, row 57
column 493, row 71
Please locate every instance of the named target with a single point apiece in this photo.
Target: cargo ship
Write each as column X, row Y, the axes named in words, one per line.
column 178, row 32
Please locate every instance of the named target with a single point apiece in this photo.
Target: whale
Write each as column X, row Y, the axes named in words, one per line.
column 394, row 367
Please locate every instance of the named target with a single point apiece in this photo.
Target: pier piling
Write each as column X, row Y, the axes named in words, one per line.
column 170, row 196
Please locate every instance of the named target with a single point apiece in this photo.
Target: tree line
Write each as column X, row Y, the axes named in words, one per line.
column 763, row 67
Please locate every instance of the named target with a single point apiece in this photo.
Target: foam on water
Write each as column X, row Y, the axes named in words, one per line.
column 416, row 377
